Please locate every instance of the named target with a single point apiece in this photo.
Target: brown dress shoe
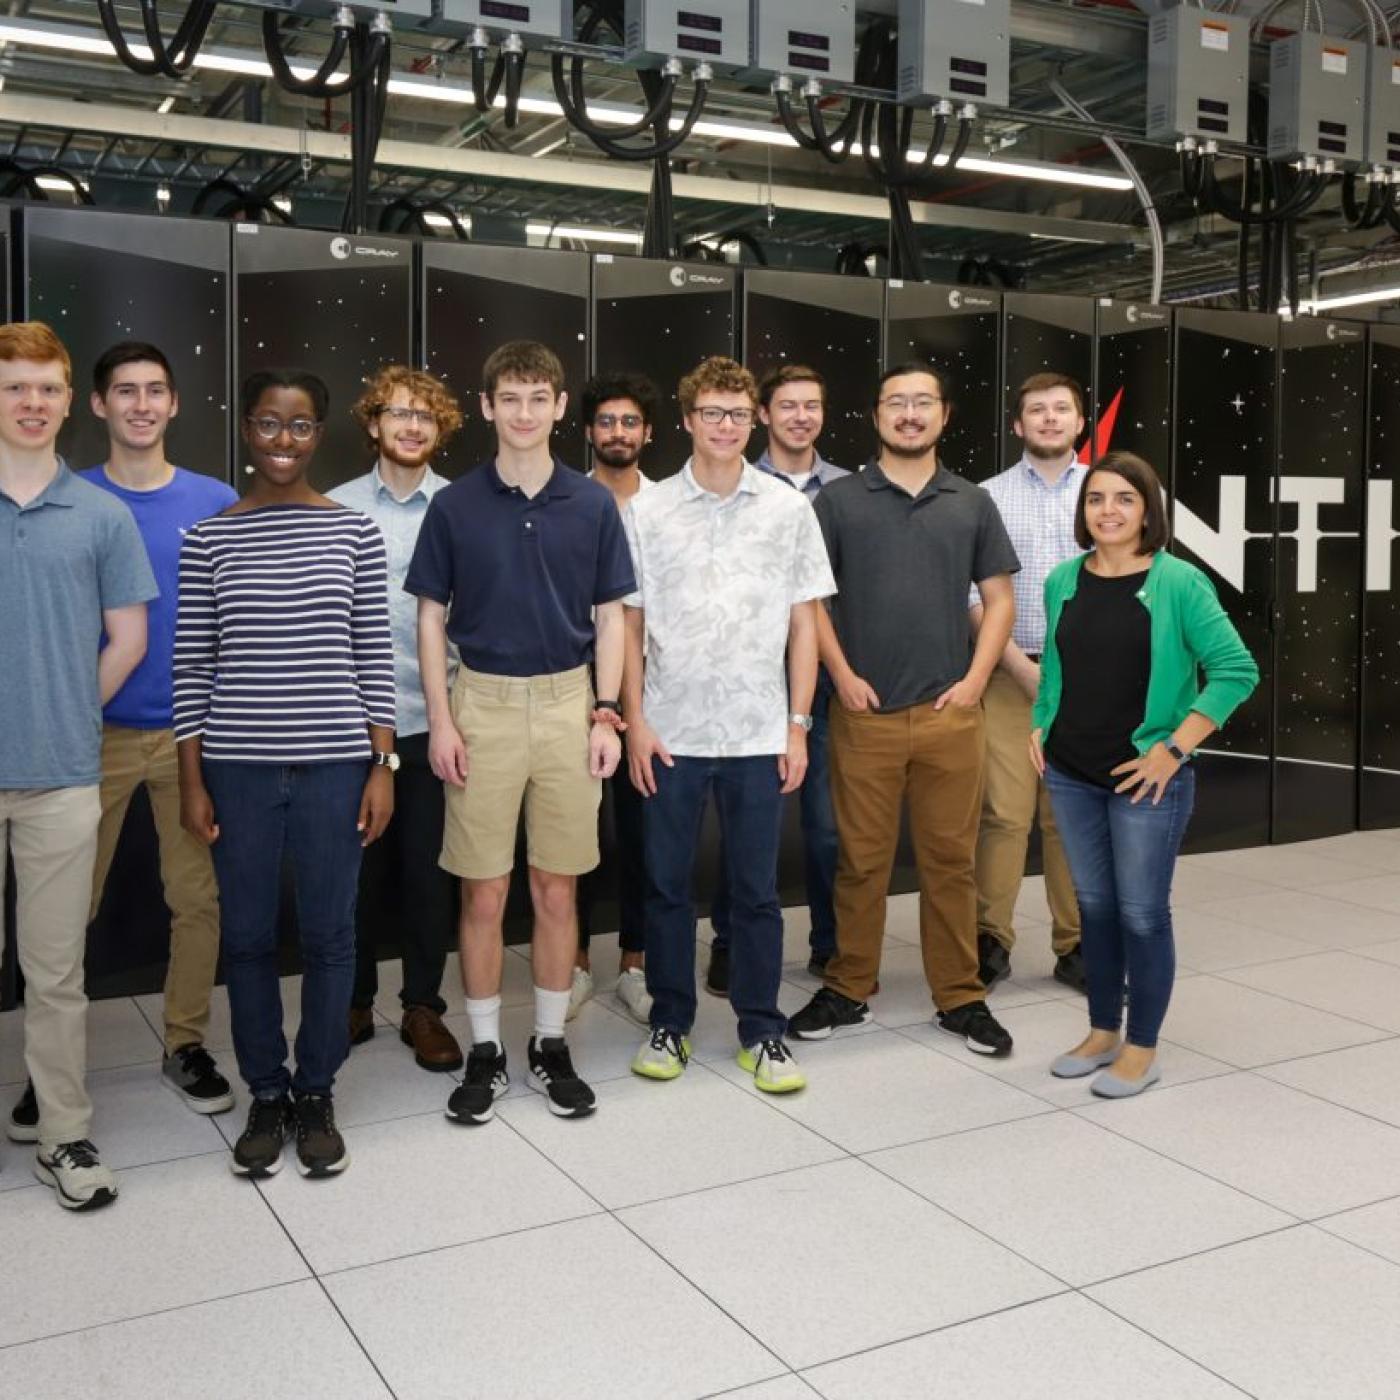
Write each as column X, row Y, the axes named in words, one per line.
column 361, row 1024
column 434, row 1046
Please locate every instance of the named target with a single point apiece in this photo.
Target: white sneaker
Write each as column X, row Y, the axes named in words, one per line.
column 580, row 992
column 80, row 1181
column 632, row 993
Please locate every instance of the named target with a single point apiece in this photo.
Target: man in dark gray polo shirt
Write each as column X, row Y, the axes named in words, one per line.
column 907, row 539
column 75, row 581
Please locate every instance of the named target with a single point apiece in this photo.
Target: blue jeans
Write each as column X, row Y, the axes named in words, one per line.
column 818, row 844
column 1121, row 858
column 747, row 795
column 307, row 811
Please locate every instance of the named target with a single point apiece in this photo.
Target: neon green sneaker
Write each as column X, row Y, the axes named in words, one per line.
column 664, row 1056
column 772, row 1066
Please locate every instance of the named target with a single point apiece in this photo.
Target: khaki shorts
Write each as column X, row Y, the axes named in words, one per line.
column 527, row 742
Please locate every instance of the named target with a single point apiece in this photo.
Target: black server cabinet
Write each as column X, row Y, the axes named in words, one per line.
column 661, row 318
column 1380, row 714
column 98, row 277
column 476, row 298
column 1132, row 408
column 337, row 305
column 7, row 247
column 1319, row 487
column 831, row 324
column 958, row 331
column 1044, row 333
column 1224, row 420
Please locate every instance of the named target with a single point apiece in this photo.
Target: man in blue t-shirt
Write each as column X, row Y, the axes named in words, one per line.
column 133, row 392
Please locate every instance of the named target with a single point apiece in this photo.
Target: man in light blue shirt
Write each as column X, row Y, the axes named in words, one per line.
column 1037, row 500
column 407, row 416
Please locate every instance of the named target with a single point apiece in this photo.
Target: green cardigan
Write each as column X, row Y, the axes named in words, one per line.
column 1190, row 632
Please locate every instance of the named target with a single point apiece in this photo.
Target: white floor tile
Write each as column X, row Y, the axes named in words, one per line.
column 1381, row 952
column 650, row 1140
column 1064, row 1348
column 1295, row 1152
column 1295, row 866
column 1323, row 920
column 1206, row 943
column 1375, row 1227
column 218, row 1037
column 212, row 1347
column 1243, row 1027
column 179, row 1233
column 879, row 1263
column 1378, row 850
column 1375, row 892
column 418, row 1184
column 381, row 1080
column 1078, row 1201
column 137, row 1120
column 783, row 1388
column 1195, row 884
column 117, row 1035
column 1365, row 1078
column 1292, row 1316
column 583, row 1309
column 871, row 1091
column 1360, row 989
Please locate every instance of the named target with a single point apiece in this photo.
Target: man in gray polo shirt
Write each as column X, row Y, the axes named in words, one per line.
column 75, row 581
column 907, row 539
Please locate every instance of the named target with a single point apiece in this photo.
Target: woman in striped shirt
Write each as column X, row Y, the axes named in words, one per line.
column 284, row 715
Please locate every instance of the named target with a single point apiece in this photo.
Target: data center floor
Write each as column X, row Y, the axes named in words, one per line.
column 919, row 1222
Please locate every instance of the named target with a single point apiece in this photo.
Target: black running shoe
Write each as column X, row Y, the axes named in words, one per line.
column 191, row 1072
column 474, row 1100
column 826, row 1012
column 552, row 1073
column 1069, row 969
column 321, row 1150
column 717, row 974
column 24, row 1118
column 978, row 1027
column 258, row 1151
column 993, row 961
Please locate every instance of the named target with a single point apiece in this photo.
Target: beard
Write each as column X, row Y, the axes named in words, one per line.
column 898, row 447
column 401, row 458
column 617, row 455
column 1049, row 452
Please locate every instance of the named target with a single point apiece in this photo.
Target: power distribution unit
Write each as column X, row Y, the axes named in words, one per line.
column 708, row 31
column 1383, row 109
column 1317, row 98
column 802, row 40
column 955, row 49
column 542, row 19
column 1197, row 75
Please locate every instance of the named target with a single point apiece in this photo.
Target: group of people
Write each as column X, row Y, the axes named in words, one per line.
column 374, row 686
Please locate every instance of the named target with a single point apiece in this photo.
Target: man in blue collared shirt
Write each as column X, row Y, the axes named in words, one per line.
column 792, row 406
column 408, row 416
column 1037, row 499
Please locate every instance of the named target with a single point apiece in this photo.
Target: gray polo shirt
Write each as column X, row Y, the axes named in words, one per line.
column 903, row 565
column 70, row 553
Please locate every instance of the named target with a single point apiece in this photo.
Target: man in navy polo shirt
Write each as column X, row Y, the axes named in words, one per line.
column 511, row 563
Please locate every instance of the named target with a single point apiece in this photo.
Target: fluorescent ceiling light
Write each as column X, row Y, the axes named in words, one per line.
column 53, row 182
column 591, row 235
column 166, row 103
column 1350, row 299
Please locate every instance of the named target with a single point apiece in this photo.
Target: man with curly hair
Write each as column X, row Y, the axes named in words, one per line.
column 407, row 417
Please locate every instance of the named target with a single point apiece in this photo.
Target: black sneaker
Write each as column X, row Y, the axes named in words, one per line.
column 258, row 1151
column 552, row 1073
column 817, row 963
column 978, row 1027
column 321, row 1150
column 24, row 1118
column 1069, row 969
column 191, row 1072
column 474, row 1100
column 993, row 961
column 717, row 975
column 826, row 1012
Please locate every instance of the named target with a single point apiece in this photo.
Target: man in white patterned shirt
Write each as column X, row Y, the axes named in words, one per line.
column 1037, row 499
column 730, row 565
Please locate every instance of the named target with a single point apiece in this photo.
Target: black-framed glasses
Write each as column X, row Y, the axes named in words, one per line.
column 740, row 417
column 902, row 403
column 608, row 421
column 269, row 429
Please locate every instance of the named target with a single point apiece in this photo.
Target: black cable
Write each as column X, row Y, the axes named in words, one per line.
column 515, row 78
column 961, row 144
column 26, row 177
column 318, row 84
column 417, row 214
column 170, row 60
column 657, row 116
column 783, row 97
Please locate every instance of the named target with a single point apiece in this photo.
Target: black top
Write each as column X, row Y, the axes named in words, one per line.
column 903, row 567
column 1105, row 643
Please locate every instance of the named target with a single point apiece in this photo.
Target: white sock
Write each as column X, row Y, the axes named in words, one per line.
column 550, row 1010
column 485, row 1015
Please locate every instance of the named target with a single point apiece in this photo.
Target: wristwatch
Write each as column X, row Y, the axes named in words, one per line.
column 803, row 722
column 385, row 760
column 1177, row 752
column 608, row 705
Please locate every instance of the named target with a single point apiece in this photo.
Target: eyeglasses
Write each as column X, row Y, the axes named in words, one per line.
column 425, row 416
column 269, row 429
column 608, row 421
column 902, row 403
column 740, row 417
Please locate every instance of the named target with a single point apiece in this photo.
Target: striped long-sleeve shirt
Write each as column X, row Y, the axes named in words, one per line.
column 282, row 645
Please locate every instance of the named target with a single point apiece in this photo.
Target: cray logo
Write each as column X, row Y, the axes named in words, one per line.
column 681, row 278
column 341, row 248
column 678, row 277
column 955, row 298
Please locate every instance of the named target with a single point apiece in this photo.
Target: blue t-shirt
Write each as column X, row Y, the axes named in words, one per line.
column 162, row 516
column 522, row 574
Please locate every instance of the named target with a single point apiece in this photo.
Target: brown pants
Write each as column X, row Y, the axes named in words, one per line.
column 1012, row 795
column 934, row 757
column 131, row 757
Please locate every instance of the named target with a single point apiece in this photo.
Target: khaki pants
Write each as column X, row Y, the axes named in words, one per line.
column 1012, row 795
column 131, row 757
column 52, row 834
column 934, row 757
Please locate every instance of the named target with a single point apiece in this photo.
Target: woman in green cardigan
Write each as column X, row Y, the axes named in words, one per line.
column 1129, row 629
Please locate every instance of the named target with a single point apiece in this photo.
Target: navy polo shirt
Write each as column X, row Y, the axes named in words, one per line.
column 521, row 575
